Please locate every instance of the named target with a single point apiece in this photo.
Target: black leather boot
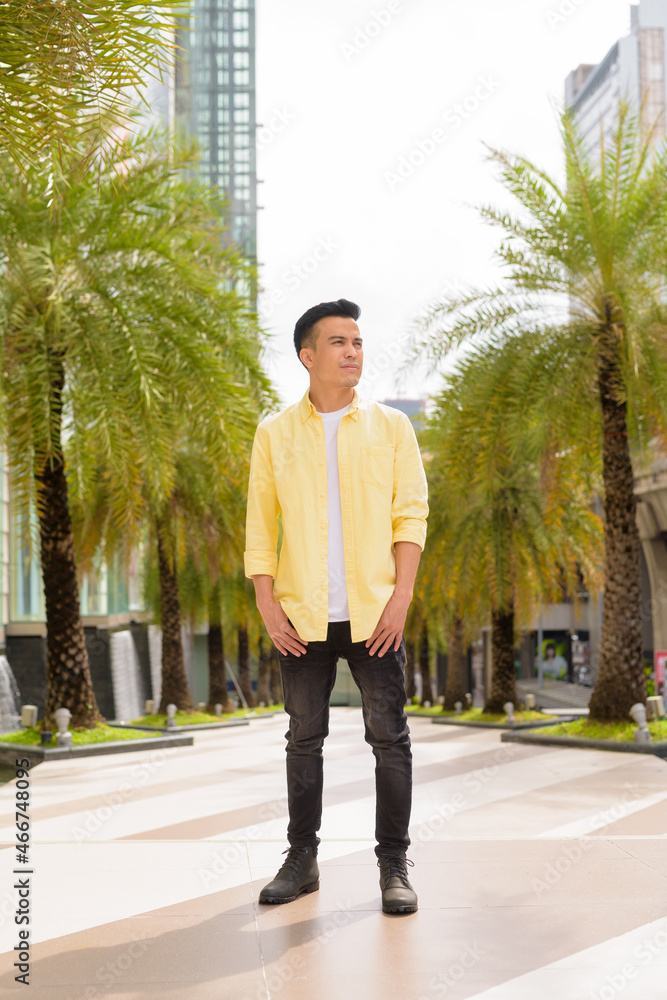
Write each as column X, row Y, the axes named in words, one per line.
column 398, row 896
column 299, row 873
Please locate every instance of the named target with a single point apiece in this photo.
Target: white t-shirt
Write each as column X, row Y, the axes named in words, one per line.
column 338, row 607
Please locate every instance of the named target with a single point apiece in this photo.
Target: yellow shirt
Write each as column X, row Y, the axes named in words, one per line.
column 383, row 500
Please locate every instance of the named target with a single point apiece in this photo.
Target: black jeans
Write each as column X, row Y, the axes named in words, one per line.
column 307, row 684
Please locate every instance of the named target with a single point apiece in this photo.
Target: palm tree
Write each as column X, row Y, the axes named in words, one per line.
column 264, row 672
column 218, row 693
column 427, row 698
column 582, row 303
column 69, row 65
column 117, row 334
column 506, row 529
column 456, row 686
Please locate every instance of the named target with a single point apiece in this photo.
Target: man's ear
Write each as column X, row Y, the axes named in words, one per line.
column 306, row 357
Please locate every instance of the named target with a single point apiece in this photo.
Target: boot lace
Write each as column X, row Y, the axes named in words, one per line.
column 294, row 860
column 393, row 867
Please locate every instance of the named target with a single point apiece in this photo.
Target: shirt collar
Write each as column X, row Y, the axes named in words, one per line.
column 306, row 408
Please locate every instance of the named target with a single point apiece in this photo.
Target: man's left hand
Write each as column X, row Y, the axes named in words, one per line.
column 389, row 629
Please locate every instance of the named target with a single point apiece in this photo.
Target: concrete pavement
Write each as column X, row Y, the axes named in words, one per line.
column 541, row 873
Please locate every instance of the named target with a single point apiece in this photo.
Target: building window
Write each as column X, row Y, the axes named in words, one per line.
column 241, row 19
column 241, row 60
column 241, row 39
column 27, row 602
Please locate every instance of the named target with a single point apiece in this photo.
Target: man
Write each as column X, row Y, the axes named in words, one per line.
column 345, row 476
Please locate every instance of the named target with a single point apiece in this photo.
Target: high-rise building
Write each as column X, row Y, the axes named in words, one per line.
column 633, row 70
column 209, row 94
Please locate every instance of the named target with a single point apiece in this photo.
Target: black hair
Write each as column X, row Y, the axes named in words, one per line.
column 305, row 324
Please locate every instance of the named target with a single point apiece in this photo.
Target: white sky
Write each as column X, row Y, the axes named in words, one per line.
column 343, row 117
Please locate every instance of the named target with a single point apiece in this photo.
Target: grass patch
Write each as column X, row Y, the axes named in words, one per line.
column 618, row 732
column 187, row 718
column 479, row 715
column 419, row 710
column 101, row 733
column 201, row 718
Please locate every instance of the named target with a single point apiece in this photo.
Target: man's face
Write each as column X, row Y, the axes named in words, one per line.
column 338, row 356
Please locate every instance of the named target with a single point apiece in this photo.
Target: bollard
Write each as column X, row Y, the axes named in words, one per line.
column 29, row 716
column 638, row 715
column 63, row 736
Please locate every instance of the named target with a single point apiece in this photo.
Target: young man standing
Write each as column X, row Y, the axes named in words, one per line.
column 345, row 476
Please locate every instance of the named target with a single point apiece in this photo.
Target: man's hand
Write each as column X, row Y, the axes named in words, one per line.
column 284, row 637
column 389, row 629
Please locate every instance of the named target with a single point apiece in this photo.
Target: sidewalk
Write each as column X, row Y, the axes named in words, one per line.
column 541, row 873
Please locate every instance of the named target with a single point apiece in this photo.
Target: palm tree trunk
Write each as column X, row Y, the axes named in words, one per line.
column 410, row 686
column 276, row 681
column 245, row 680
column 457, row 675
column 503, row 678
column 425, row 668
column 68, row 681
column 620, row 678
column 264, row 674
column 175, row 688
column 217, row 674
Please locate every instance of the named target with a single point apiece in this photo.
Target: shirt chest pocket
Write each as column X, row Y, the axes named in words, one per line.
column 377, row 466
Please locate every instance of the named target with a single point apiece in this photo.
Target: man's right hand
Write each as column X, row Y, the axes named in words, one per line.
column 283, row 635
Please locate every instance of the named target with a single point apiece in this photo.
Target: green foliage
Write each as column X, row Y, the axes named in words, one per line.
column 71, row 66
column 650, row 682
column 479, row 715
column 620, row 732
column 578, row 257
column 99, row 733
column 128, row 285
column 187, row 718
column 507, row 526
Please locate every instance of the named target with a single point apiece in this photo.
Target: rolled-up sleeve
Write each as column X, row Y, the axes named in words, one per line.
column 261, row 549
column 409, row 508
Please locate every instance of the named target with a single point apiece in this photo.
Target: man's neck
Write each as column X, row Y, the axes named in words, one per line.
column 328, row 399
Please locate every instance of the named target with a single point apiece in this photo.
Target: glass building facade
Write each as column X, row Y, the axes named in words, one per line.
column 214, row 100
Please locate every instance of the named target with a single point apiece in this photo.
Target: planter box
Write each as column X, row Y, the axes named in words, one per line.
column 10, row 752
column 536, row 724
column 658, row 749
column 193, row 728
